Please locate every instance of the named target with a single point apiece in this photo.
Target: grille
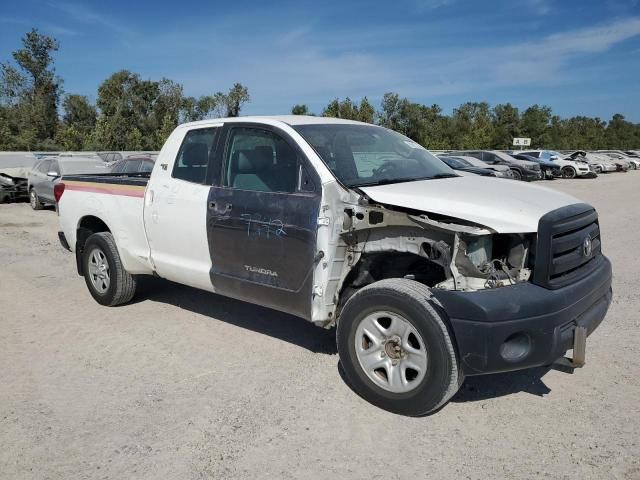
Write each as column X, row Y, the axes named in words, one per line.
column 561, row 256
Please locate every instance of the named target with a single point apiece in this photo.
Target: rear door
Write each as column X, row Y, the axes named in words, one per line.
column 175, row 212
column 262, row 219
column 47, row 185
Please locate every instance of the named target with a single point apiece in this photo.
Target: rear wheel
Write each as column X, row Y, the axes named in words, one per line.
column 395, row 348
column 569, row 172
column 516, row 174
column 34, row 200
column 108, row 282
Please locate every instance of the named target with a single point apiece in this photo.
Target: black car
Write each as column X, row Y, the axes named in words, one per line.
column 549, row 169
column 461, row 164
column 133, row 164
column 522, row 169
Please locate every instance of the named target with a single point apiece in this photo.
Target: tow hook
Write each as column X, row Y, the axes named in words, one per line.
column 579, row 352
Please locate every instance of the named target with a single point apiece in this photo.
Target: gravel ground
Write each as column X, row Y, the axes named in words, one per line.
column 183, row 384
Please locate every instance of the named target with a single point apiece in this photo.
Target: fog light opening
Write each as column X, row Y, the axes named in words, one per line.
column 516, row 347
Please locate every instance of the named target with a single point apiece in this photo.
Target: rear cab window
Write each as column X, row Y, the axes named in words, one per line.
column 197, row 148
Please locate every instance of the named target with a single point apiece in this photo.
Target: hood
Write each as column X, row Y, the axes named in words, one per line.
column 505, row 206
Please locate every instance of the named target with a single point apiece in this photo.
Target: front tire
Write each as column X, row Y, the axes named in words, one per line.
column 34, row 200
column 107, row 280
column 395, row 348
column 516, row 174
column 568, row 172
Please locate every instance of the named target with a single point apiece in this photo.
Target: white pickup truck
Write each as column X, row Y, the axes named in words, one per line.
column 429, row 275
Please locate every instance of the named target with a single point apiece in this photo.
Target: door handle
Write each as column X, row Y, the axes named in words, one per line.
column 214, row 206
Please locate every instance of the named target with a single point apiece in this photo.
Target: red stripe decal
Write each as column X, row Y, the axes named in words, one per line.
column 108, row 189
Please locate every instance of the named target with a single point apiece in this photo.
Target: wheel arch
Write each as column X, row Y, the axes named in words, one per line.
column 87, row 226
column 381, row 265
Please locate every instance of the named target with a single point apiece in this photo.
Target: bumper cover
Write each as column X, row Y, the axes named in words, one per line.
column 525, row 325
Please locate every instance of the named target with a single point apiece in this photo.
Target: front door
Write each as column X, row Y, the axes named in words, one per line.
column 262, row 220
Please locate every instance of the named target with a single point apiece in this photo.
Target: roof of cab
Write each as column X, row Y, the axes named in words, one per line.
column 287, row 119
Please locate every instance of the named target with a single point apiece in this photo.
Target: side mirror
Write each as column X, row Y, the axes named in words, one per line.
column 53, row 174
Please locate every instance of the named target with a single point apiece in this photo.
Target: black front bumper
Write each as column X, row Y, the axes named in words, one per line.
column 524, row 325
column 531, row 175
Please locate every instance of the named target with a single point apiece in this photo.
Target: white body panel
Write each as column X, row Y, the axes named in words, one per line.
column 175, row 218
column 501, row 205
column 123, row 216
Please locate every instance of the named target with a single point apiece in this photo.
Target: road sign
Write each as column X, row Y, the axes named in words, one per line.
column 522, row 142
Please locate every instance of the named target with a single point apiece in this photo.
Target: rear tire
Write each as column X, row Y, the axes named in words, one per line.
column 568, row 172
column 395, row 348
column 107, row 280
column 34, row 200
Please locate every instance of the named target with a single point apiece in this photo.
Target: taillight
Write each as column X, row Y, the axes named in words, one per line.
column 58, row 190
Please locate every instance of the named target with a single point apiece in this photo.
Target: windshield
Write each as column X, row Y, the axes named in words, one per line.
column 367, row 155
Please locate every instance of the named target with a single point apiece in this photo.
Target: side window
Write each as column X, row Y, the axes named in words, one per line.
column 146, row 166
column 261, row 160
column 193, row 156
column 132, row 166
column 489, row 158
column 44, row 166
column 54, row 167
column 118, row 167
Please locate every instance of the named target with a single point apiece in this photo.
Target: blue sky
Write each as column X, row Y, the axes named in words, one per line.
column 579, row 57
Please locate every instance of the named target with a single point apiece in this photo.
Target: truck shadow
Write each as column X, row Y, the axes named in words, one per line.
column 245, row 315
column 496, row 385
column 304, row 334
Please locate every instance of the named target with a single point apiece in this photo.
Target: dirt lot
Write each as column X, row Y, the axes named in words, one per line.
column 182, row 384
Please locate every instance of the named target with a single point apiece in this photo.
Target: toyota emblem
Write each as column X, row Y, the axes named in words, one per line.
column 587, row 247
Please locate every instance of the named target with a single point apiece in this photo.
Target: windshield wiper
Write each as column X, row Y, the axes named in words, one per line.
column 444, row 175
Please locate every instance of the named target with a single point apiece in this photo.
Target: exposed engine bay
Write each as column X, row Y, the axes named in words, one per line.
column 440, row 252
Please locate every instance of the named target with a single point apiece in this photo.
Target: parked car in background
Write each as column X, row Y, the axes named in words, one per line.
column 569, row 168
column 46, row 173
column 521, row 169
column 501, row 171
column 133, row 164
column 12, row 189
column 462, row 165
column 597, row 163
column 14, row 167
column 549, row 169
column 620, row 156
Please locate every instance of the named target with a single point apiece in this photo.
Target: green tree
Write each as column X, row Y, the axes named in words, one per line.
column 506, row 125
column 535, row 125
column 299, row 110
column 473, row 126
column 349, row 110
column 237, row 96
column 30, row 91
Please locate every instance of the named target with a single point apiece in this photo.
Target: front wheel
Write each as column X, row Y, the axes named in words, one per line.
column 516, row 174
column 108, row 282
column 395, row 348
column 568, row 172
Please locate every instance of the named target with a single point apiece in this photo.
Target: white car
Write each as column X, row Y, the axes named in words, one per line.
column 599, row 163
column 427, row 275
column 569, row 168
column 618, row 156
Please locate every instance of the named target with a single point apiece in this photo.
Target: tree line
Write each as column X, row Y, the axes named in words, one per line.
column 132, row 113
